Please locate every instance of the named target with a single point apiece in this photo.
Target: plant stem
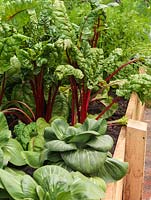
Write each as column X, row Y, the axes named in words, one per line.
column 84, row 104
column 38, row 93
column 50, row 103
column 120, row 68
column 108, row 107
column 12, row 110
column 2, row 88
column 24, row 104
column 74, row 104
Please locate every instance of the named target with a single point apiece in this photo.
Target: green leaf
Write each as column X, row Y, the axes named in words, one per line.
column 1, row 158
column 12, row 184
column 61, row 107
column 53, row 179
column 14, row 149
column 32, row 158
column 99, row 181
column 36, row 143
column 59, row 126
column 85, row 189
column 3, row 122
column 49, row 134
column 41, row 125
column 99, row 126
column 101, row 143
column 67, row 70
column 29, row 187
column 113, row 170
column 4, row 137
column 82, row 137
column 40, row 192
column 57, row 145
column 85, row 161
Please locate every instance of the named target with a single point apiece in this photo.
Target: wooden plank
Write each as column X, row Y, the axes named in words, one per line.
column 132, row 106
column 135, row 155
column 135, row 111
column 114, row 190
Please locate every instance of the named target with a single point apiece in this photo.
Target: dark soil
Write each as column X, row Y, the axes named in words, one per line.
column 112, row 130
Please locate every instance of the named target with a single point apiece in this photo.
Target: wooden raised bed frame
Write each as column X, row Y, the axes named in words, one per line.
column 131, row 146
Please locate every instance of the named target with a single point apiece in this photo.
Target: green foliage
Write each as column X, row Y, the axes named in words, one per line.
column 140, row 84
column 24, row 133
column 83, row 148
column 128, row 27
column 51, row 182
column 10, row 149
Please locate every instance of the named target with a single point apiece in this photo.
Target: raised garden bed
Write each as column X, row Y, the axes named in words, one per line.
column 130, row 147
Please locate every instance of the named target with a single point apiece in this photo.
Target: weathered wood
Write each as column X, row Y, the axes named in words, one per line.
column 135, row 155
column 135, row 111
column 114, row 190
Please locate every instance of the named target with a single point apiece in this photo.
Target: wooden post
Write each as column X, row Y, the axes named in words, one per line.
column 135, row 156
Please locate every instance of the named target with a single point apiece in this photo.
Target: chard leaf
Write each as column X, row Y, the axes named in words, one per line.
column 67, row 70
column 101, row 143
column 60, row 107
column 113, row 170
column 57, row 145
column 86, row 161
column 36, row 143
column 14, row 149
column 41, row 125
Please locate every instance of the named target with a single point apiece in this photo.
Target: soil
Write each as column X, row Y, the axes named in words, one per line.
column 112, row 130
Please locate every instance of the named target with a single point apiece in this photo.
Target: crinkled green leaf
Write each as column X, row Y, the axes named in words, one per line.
column 84, row 160
column 36, row 143
column 63, row 71
column 41, row 125
column 101, row 143
column 60, row 107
